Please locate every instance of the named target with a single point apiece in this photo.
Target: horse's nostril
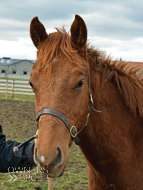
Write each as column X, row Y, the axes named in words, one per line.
column 59, row 158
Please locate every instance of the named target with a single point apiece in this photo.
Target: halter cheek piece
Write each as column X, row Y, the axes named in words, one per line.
column 72, row 129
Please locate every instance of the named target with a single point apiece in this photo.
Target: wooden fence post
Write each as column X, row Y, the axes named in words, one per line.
column 12, row 88
column 6, row 87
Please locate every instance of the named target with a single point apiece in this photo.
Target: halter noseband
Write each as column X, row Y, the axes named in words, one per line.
column 72, row 129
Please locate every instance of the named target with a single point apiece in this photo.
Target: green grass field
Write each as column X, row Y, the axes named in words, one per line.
column 17, row 117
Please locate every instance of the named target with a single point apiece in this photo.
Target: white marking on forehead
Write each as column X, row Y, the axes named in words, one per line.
column 55, row 59
column 42, row 158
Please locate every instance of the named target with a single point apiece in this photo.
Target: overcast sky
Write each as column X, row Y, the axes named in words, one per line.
column 113, row 26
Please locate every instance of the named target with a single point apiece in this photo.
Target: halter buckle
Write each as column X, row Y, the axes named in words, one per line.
column 91, row 99
column 73, row 133
column 88, row 116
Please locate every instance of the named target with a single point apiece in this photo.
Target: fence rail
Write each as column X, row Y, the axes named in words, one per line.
column 15, row 87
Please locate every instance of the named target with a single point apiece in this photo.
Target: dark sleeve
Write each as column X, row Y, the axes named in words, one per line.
column 10, row 161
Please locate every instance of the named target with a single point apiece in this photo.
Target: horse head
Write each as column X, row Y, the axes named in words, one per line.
column 59, row 80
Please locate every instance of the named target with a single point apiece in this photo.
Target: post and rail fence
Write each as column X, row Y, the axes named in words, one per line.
column 15, row 87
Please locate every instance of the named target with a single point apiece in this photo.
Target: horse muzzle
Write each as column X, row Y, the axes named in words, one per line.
column 51, row 166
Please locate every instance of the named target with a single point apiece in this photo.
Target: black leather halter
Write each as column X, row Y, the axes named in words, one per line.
column 72, row 129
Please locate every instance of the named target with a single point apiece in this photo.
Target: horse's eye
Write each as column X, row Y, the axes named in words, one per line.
column 30, row 83
column 80, row 84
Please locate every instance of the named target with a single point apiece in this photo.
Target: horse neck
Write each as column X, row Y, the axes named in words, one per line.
column 107, row 137
column 88, row 135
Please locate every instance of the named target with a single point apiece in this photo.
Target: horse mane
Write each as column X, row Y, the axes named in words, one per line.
column 54, row 47
column 127, row 78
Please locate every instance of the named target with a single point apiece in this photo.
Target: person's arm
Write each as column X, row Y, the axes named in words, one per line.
column 10, row 161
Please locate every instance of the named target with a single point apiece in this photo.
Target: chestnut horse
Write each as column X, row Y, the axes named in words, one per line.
column 65, row 77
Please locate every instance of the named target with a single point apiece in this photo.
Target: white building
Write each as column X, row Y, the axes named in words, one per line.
column 15, row 68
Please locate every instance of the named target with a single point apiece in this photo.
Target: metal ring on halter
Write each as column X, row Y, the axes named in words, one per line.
column 73, row 134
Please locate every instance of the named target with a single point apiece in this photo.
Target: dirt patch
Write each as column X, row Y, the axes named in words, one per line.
column 17, row 119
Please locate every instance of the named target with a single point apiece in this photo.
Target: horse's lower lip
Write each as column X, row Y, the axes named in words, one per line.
column 62, row 173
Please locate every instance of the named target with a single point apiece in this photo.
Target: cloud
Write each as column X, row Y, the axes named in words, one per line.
column 114, row 20
column 21, row 49
column 116, row 24
column 129, row 50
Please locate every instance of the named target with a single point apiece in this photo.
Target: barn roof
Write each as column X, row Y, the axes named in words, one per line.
column 6, row 61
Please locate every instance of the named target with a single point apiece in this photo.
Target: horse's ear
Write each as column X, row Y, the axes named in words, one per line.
column 78, row 32
column 37, row 31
